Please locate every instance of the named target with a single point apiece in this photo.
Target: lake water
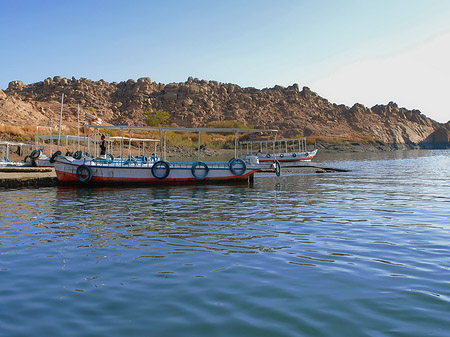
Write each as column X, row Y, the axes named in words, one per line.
column 359, row 253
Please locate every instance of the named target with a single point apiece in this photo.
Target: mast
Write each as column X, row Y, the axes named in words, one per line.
column 60, row 120
column 78, row 126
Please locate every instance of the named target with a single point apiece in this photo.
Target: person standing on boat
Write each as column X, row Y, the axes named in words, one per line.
column 103, row 146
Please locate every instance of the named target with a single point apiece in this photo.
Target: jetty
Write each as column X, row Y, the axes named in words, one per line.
column 306, row 169
column 14, row 177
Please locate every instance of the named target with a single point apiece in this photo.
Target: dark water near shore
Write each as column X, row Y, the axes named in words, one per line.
column 359, row 253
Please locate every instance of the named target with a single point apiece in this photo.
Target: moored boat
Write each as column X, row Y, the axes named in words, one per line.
column 95, row 171
column 282, row 150
column 156, row 171
column 16, row 161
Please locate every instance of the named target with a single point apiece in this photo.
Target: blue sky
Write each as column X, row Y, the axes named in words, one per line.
column 366, row 51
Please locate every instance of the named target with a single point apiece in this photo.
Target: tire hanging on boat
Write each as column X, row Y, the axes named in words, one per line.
column 85, row 171
column 160, row 165
column 237, row 167
column 35, row 154
column 77, row 155
column 56, row 154
column 294, row 155
column 277, row 168
column 130, row 161
column 198, row 165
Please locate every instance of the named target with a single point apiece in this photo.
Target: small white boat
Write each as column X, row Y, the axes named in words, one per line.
column 155, row 171
column 282, row 150
column 5, row 149
column 90, row 145
column 9, row 163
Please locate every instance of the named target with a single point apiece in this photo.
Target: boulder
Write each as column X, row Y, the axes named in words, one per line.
column 209, row 104
column 306, row 92
column 193, row 89
column 170, row 96
column 144, row 81
column 48, row 82
column 171, row 87
column 15, row 85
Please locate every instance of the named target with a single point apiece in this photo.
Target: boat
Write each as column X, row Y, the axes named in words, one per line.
column 282, row 150
column 155, row 170
column 79, row 147
column 5, row 161
column 39, row 154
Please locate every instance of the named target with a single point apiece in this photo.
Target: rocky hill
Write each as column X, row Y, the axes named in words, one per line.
column 197, row 102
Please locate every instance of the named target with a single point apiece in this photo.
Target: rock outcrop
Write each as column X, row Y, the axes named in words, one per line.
column 197, row 102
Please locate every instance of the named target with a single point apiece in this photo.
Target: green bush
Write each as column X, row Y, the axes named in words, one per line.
column 156, row 117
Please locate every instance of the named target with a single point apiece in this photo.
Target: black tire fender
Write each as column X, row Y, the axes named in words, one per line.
column 35, row 154
column 199, row 165
column 238, row 171
column 160, row 165
column 56, row 154
column 80, row 173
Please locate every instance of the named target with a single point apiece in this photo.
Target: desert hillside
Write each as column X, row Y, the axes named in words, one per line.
column 197, row 102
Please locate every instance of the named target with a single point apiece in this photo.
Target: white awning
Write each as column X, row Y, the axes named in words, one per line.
column 134, row 139
column 67, row 137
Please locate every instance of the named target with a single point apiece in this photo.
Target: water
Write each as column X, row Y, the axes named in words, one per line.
column 362, row 253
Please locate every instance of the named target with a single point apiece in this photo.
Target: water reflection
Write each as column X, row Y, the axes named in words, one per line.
column 272, row 215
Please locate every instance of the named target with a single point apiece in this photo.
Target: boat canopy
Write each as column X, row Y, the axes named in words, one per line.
column 163, row 131
column 6, row 145
column 67, row 138
column 130, row 139
column 157, row 128
column 280, row 145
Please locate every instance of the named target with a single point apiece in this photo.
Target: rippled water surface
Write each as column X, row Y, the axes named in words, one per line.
column 359, row 253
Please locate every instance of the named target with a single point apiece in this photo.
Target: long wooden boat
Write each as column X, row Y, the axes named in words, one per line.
column 97, row 171
column 156, row 171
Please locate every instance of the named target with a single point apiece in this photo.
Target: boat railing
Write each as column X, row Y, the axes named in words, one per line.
column 211, row 165
column 118, row 162
column 142, row 163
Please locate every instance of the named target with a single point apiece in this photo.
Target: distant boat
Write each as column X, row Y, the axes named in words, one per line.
column 282, row 150
column 5, row 149
column 156, row 171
